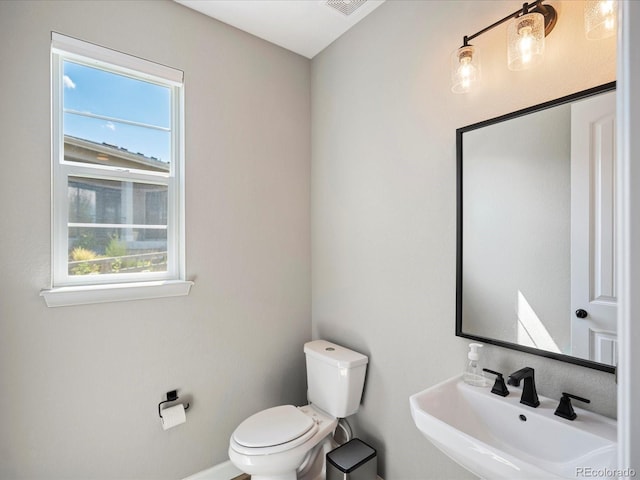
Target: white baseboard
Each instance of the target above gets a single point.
(222, 471)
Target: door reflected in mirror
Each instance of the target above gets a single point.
(536, 230)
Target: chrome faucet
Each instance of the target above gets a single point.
(529, 394)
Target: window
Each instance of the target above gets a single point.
(117, 169)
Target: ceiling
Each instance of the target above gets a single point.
(305, 27)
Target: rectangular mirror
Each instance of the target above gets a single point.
(536, 230)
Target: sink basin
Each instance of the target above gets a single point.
(497, 437)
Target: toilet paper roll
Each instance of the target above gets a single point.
(173, 416)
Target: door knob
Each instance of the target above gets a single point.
(580, 313)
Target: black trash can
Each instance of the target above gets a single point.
(355, 460)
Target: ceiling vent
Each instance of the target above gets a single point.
(346, 7)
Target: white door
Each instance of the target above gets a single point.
(593, 229)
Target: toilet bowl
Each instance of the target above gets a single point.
(290, 443)
(278, 443)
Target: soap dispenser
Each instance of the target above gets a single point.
(473, 375)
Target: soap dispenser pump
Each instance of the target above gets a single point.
(473, 374)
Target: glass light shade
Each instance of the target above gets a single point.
(600, 18)
(525, 41)
(465, 69)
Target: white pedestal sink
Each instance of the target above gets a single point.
(498, 438)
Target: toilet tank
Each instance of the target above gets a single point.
(335, 377)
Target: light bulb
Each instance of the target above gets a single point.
(525, 41)
(600, 18)
(606, 7)
(465, 69)
(607, 11)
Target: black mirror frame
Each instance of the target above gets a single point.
(459, 238)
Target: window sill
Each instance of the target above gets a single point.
(120, 292)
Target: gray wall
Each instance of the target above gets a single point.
(79, 386)
(384, 203)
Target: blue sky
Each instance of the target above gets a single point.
(95, 91)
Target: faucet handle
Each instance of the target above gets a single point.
(499, 388)
(565, 409)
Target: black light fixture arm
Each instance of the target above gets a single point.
(549, 13)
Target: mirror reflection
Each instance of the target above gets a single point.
(536, 230)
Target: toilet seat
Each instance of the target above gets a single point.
(274, 430)
(280, 462)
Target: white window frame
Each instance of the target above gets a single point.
(80, 289)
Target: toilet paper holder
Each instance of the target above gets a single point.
(172, 396)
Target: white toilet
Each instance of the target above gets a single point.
(290, 443)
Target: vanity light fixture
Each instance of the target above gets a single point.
(600, 18)
(525, 37)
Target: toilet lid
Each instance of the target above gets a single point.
(273, 426)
